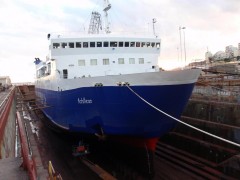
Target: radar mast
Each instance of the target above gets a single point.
(95, 23)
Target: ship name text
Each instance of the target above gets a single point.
(84, 101)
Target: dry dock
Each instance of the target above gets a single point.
(213, 107)
(31, 150)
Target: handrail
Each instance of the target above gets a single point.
(3, 103)
(4, 112)
(28, 162)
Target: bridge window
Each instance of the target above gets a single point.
(113, 44)
(132, 44)
(141, 60)
(120, 60)
(126, 44)
(105, 61)
(158, 45)
(131, 60)
(93, 62)
(78, 44)
(105, 44)
(64, 45)
(56, 45)
(143, 44)
(99, 44)
(85, 44)
(41, 72)
(120, 44)
(92, 44)
(153, 44)
(71, 45)
(81, 62)
(148, 44)
(138, 44)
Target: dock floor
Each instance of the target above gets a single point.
(10, 169)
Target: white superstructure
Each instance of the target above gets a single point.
(99, 55)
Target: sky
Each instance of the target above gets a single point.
(24, 25)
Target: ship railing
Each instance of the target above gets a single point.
(23, 83)
(76, 34)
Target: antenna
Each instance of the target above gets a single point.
(107, 7)
(95, 23)
(154, 21)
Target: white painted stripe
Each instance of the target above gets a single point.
(140, 79)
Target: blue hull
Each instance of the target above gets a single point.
(116, 109)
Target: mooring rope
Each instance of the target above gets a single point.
(193, 127)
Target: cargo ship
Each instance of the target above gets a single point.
(89, 83)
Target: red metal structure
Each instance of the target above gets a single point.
(28, 162)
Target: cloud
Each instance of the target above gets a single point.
(24, 25)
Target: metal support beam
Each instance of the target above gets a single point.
(28, 162)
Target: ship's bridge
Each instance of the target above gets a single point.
(100, 55)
